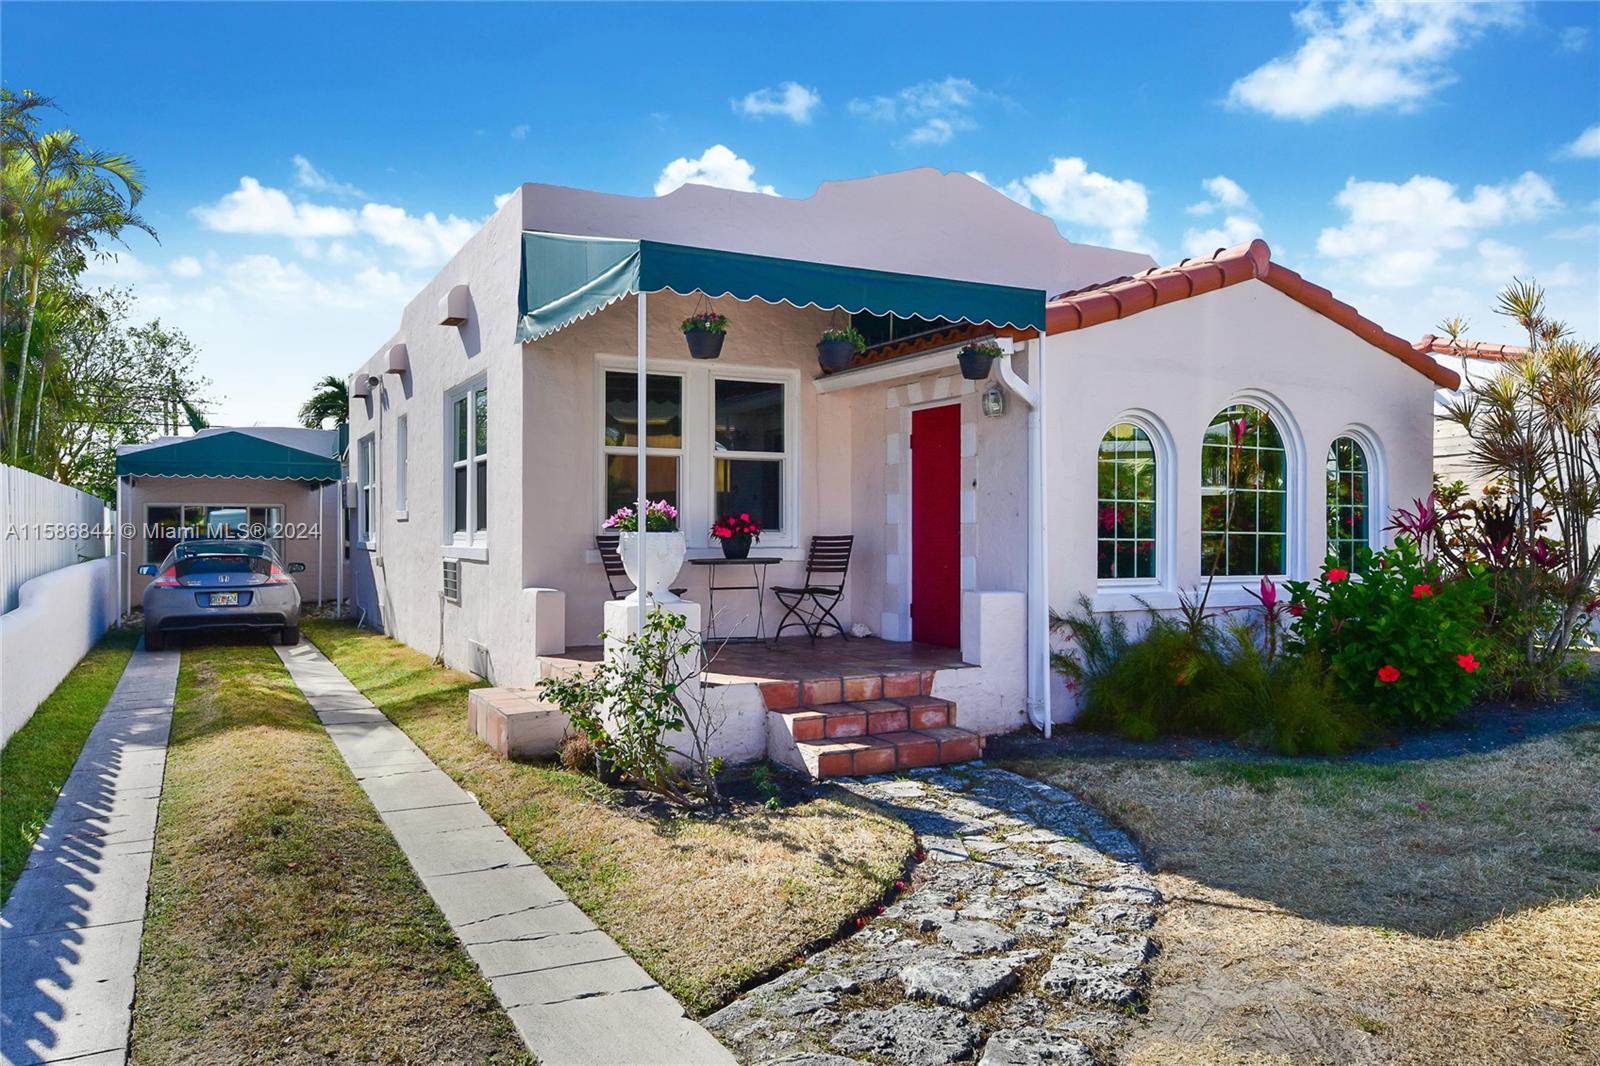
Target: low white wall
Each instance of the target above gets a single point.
(58, 618)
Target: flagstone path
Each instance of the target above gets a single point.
(573, 994)
(69, 935)
(1022, 938)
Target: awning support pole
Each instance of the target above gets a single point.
(122, 548)
(322, 538)
(338, 546)
(642, 432)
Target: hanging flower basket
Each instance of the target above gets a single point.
(704, 333)
(838, 348)
(976, 359)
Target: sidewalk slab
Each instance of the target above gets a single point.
(575, 997)
(69, 934)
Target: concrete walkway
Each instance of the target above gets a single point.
(69, 935)
(573, 994)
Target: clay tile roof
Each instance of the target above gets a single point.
(1432, 345)
(1122, 297)
(958, 334)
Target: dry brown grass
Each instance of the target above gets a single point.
(284, 925)
(1430, 912)
(704, 905)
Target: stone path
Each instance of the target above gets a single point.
(1022, 938)
(573, 994)
(69, 935)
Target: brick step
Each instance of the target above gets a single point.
(787, 695)
(840, 721)
(884, 753)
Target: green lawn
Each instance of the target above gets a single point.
(38, 758)
(284, 924)
(704, 905)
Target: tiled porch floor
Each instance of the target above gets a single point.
(797, 659)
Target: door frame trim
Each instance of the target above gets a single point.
(907, 508)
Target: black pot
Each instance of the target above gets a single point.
(735, 547)
(704, 344)
(974, 364)
(835, 355)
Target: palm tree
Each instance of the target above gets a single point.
(330, 398)
(64, 199)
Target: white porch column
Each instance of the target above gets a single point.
(641, 434)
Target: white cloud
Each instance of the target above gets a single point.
(791, 100)
(1585, 146)
(1012, 189)
(1496, 260)
(309, 177)
(1240, 221)
(256, 208)
(426, 239)
(185, 266)
(937, 110)
(1109, 210)
(1574, 38)
(1396, 234)
(519, 132)
(121, 267)
(1367, 55)
(717, 166)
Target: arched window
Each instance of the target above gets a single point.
(1348, 501)
(1125, 513)
(1243, 495)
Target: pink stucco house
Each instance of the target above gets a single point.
(497, 427)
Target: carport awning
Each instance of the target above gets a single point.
(228, 454)
(566, 278)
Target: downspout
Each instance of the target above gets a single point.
(1032, 394)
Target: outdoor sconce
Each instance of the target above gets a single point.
(361, 385)
(994, 400)
(396, 362)
(455, 306)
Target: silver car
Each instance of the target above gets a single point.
(221, 584)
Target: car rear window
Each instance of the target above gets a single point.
(198, 565)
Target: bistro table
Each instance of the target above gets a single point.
(758, 575)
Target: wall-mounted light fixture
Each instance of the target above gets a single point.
(455, 306)
(396, 361)
(994, 400)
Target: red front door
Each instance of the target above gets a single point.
(936, 525)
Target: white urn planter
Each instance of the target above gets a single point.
(663, 558)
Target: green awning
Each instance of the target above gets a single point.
(566, 278)
(228, 454)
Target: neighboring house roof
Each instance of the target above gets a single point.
(1433, 345)
(1158, 286)
(279, 453)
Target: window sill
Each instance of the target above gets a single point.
(472, 553)
(402, 515)
(1120, 599)
(367, 545)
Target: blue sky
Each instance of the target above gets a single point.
(311, 165)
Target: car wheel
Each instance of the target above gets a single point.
(289, 636)
(153, 641)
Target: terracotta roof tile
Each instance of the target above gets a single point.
(925, 342)
(1122, 297)
(1432, 345)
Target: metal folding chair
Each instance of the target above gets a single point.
(810, 606)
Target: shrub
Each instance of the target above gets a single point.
(1399, 639)
(1287, 704)
(578, 754)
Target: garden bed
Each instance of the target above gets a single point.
(707, 905)
(1418, 911)
(284, 923)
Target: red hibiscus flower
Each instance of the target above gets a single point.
(1336, 575)
(1297, 609)
(1467, 662)
(1421, 592)
(1388, 675)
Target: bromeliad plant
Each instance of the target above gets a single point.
(659, 517)
(1399, 639)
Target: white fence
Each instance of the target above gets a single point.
(45, 526)
(62, 614)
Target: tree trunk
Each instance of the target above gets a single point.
(22, 362)
(38, 405)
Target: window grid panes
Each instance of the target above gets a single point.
(1243, 495)
(402, 455)
(1347, 501)
(663, 443)
(748, 445)
(168, 524)
(365, 514)
(1125, 514)
(469, 466)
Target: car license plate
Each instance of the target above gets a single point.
(224, 599)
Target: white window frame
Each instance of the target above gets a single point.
(402, 455)
(697, 458)
(651, 452)
(469, 543)
(1118, 593)
(366, 492)
(1378, 536)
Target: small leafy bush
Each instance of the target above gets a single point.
(1400, 639)
(849, 334)
(705, 322)
(1287, 704)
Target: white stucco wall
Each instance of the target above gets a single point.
(1175, 367)
(58, 618)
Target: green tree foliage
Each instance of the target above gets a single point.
(330, 399)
